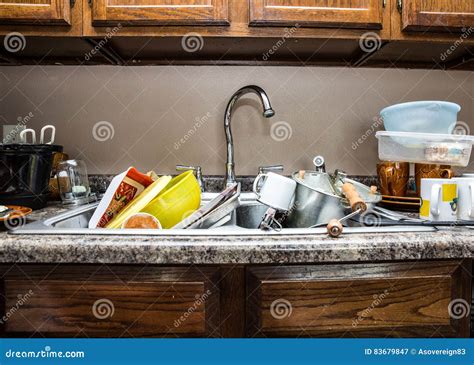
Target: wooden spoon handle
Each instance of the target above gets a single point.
(354, 198)
(334, 228)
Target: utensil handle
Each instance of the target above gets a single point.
(334, 228)
(352, 195)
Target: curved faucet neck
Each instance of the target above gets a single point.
(267, 113)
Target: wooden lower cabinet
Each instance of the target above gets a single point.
(360, 300)
(110, 301)
(411, 299)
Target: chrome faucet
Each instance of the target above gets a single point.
(268, 112)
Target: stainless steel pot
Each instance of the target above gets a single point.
(319, 199)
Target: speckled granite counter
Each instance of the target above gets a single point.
(271, 249)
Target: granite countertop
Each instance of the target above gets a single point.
(451, 243)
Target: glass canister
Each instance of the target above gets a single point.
(73, 182)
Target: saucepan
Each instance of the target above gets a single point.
(319, 198)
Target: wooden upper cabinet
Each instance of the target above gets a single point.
(35, 12)
(160, 12)
(365, 14)
(437, 15)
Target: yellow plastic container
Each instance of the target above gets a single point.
(180, 198)
(140, 201)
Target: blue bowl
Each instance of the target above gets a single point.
(421, 117)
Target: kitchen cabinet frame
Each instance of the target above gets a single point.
(412, 299)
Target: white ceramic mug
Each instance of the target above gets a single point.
(465, 197)
(276, 191)
(439, 200)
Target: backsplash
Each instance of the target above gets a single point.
(159, 116)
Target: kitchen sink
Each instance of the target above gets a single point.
(244, 221)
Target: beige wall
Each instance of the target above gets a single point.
(151, 109)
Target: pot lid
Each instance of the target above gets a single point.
(317, 181)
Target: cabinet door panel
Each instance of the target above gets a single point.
(359, 300)
(160, 12)
(437, 15)
(112, 301)
(35, 12)
(317, 13)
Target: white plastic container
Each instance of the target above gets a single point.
(432, 148)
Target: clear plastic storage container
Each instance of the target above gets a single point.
(446, 149)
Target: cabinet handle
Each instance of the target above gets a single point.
(72, 3)
(399, 6)
(384, 3)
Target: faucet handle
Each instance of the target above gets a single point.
(197, 172)
(264, 169)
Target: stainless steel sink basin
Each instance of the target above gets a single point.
(244, 221)
(249, 215)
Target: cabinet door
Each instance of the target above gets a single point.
(318, 13)
(437, 15)
(160, 12)
(108, 301)
(35, 12)
(424, 299)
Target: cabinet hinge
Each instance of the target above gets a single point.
(72, 2)
(90, 3)
(399, 6)
(384, 3)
